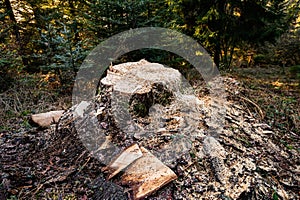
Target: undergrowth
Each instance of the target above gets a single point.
(30, 94)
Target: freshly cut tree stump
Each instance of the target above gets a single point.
(149, 105)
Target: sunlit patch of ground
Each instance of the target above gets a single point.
(277, 92)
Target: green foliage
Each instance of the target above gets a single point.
(57, 35)
(223, 25)
(259, 58)
(12, 197)
(275, 195)
(295, 72)
(106, 17)
(140, 110)
(10, 60)
(295, 69)
(10, 65)
(285, 52)
(287, 49)
(58, 51)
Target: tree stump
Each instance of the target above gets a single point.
(153, 106)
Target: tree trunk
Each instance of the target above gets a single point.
(74, 25)
(39, 22)
(16, 30)
(13, 19)
(217, 52)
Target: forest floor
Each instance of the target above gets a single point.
(26, 172)
(276, 91)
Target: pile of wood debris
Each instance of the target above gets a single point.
(165, 149)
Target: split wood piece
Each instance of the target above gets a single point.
(46, 119)
(146, 175)
(128, 156)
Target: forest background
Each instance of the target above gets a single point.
(44, 42)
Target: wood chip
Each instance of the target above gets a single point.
(46, 119)
(79, 111)
(146, 175)
(123, 160)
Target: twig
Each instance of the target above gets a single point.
(251, 102)
(259, 109)
(81, 168)
(80, 155)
